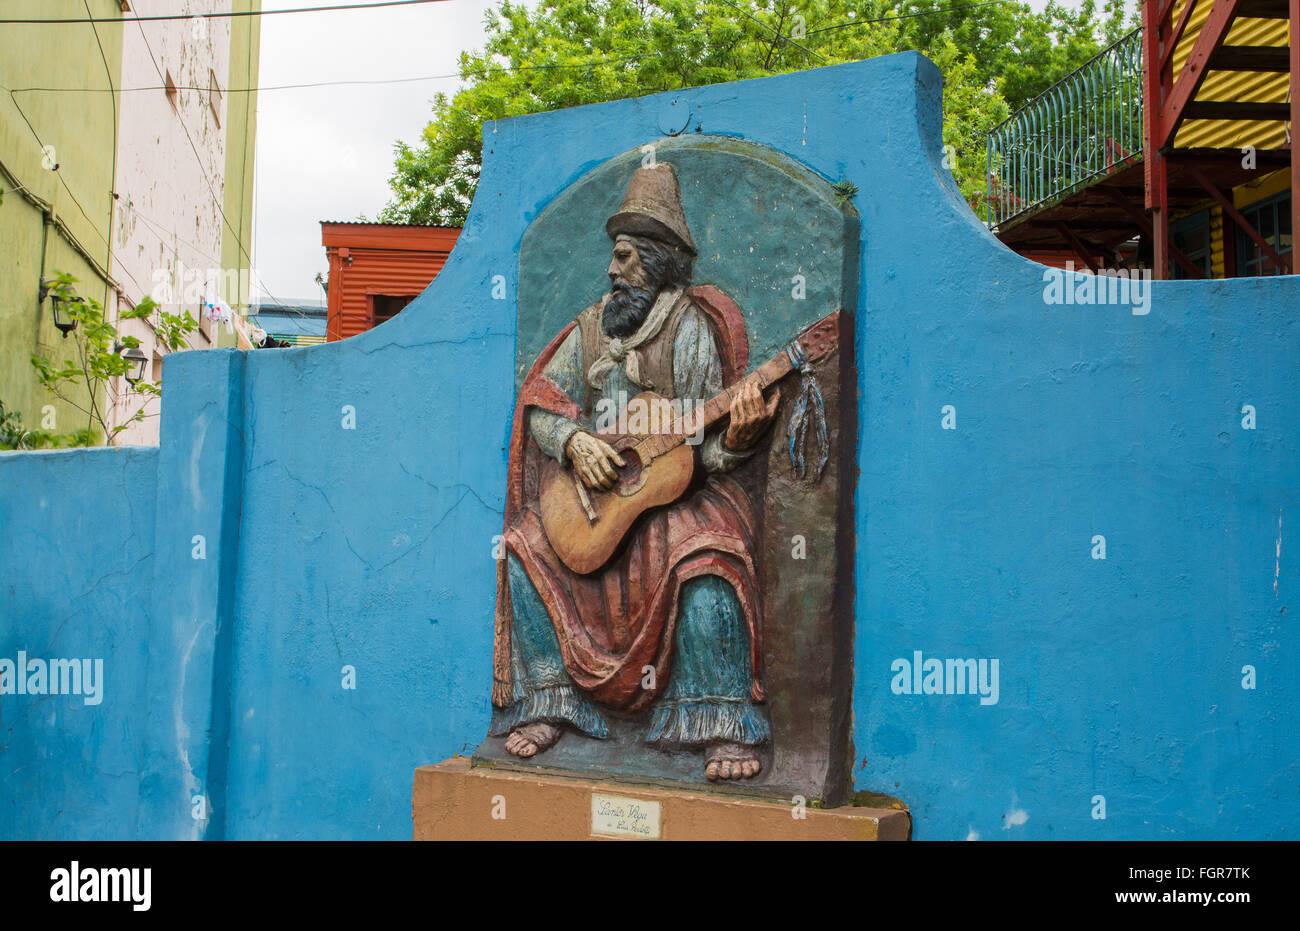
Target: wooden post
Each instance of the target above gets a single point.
(1280, 261)
(1144, 227)
(1154, 169)
(1180, 91)
(1295, 124)
(1079, 248)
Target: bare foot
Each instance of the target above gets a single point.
(730, 761)
(529, 739)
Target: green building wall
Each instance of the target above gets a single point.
(53, 218)
(241, 133)
(61, 220)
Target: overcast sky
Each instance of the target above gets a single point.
(326, 153)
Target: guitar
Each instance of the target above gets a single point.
(586, 525)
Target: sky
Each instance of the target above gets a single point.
(326, 153)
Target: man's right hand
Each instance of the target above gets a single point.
(594, 460)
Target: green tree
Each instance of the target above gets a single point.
(92, 382)
(566, 53)
(1014, 48)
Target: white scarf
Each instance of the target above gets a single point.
(620, 350)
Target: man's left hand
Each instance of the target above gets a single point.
(750, 416)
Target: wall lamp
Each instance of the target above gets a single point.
(63, 321)
(137, 359)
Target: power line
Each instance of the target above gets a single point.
(94, 263)
(887, 19)
(243, 90)
(107, 272)
(774, 31)
(514, 69)
(557, 66)
(46, 209)
(203, 169)
(485, 65)
(229, 15)
(161, 231)
(108, 256)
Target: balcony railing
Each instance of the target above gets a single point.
(1083, 127)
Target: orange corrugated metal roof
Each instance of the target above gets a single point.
(400, 226)
(389, 236)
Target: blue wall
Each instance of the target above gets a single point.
(371, 547)
(76, 578)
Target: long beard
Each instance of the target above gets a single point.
(626, 309)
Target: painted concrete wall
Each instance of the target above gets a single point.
(76, 581)
(177, 168)
(68, 183)
(174, 231)
(348, 494)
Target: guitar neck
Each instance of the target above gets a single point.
(719, 406)
(715, 408)
(813, 344)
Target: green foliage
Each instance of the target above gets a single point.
(1011, 47)
(845, 190)
(11, 429)
(13, 436)
(565, 53)
(99, 368)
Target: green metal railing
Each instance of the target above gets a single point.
(1083, 127)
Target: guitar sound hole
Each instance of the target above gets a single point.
(629, 475)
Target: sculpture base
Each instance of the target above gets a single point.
(456, 801)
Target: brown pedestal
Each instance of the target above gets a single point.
(454, 801)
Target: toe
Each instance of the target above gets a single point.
(750, 767)
(712, 770)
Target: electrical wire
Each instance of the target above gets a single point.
(47, 210)
(359, 81)
(63, 227)
(391, 3)
(775, 32)
(108, 72)
(160, 230)
(203, 169)
(889, 19)
(40, 142)
(230, 15)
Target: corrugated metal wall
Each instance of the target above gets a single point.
(1243, 86)
(392, 260)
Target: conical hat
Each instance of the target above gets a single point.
(652, 207)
